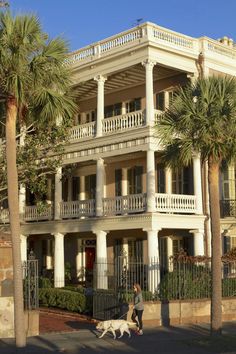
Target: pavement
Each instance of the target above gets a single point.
(67, 333)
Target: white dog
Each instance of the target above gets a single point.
(113, 325)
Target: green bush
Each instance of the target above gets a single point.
(185, 284)
(45, 282)
(63, 299)
(229, 287)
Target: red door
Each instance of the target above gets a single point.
(89, 257)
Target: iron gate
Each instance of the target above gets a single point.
(30, 283)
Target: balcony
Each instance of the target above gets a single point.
(228, 208)
(125, 205)
(112, 125)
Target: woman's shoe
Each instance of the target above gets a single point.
(140, 332)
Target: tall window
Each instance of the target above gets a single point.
(182, 181)
(112, 110)
(228, 177)
(160, 101)
(161, 183)
(134, 105)
(135, 248)
(118, 179)
(75, 188)
(90, 187)
(135, 185)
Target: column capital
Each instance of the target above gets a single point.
(149, 64)
(201, 231)
(100, 231)
(153, 230)
(59, 234)
(100, 78)
(196, 155)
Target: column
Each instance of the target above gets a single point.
(79, 261)
(22, 199)
(100, 103)
(168, 180)
(101, 259)
(99, 187)
(153, 260)
(124, 182)
(198, 242)
(150, 181)
(23, 248)
(169, 241)
(166, 99)
(82, 188)
(149, 64)
(58, 193)
(197, 181)
(49, 259)
(59, 261)
(123, 108)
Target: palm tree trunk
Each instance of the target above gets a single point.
(216, 296)
(12, 184)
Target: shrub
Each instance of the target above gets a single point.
(45, 282)
(63, 299)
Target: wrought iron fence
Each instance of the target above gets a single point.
(30, 283)
(184, 278)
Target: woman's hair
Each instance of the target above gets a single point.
(138, 287)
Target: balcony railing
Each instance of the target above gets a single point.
(228, 208)
(78, 208)
(175, 203)
(123, 122)
(129, 204)
(82, 131)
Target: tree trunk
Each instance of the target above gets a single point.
(13, 201)
(216, 245)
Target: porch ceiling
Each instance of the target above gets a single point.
(133, 76)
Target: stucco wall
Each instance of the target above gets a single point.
(184, 312)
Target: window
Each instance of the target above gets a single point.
(228, 177)
(75, 188)
(135, 180)
(171, 96)
(161, 183)
(112, 110)
(90, 187)
(182, 181)
(160, 101)
(118, 181)
(135, 248)
(90, 116)
(134, 105)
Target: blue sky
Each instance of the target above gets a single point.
(83, 22)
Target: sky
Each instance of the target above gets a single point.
(83, 22)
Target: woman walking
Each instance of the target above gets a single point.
(138, 308)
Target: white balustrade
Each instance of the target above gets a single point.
(157, 115)
(124, 205)
(77, 208)
(80, 55)
(34, 213)
(219, 48)
(82, 131)
(123, 122)
(173, 38)
(120, 40)
(175, 203)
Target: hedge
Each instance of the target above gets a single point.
(63, 299)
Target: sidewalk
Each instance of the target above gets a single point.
(82, 339)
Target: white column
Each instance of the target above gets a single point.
(79, 261)
(59, 261)
(22, 199)
(168, 180)
(197, 181)
(149, 91)
(123, 108)
(124, 182)
(49, 260)
(150, 181)
(82, 188)
(99, 187)
(198, 242)
(23, 247)
(153, 260)
(166, 99)
(101, 259)
(169, 241)
(58, 193)
(100, 103)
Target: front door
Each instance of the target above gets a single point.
(90, 253)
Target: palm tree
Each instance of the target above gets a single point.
(202, 119)
(34, 86)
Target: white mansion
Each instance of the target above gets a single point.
(120, 199)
